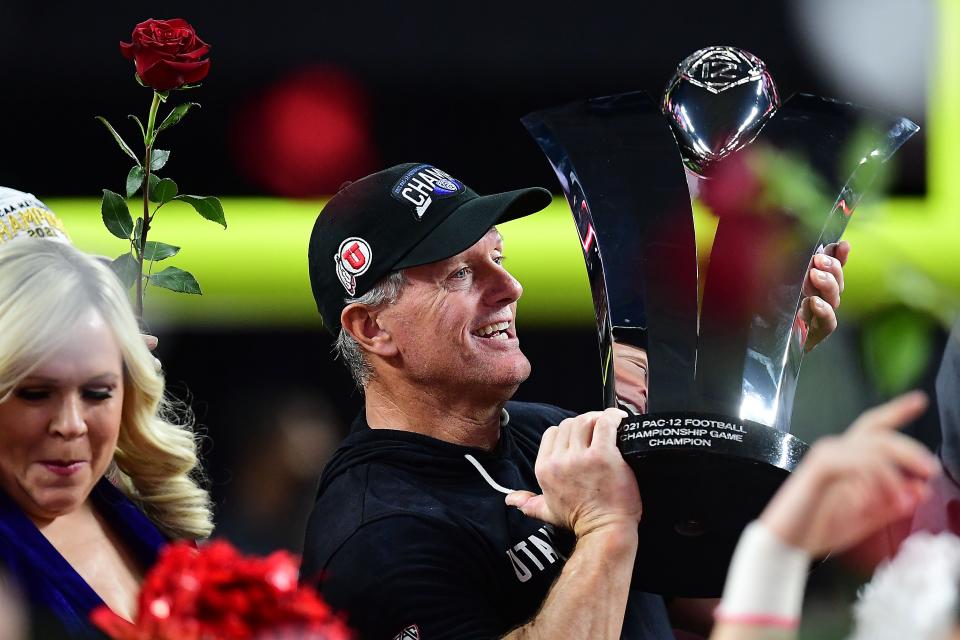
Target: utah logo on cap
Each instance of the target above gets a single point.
(423, 184)
(351, 260)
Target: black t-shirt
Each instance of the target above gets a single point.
(410, 536)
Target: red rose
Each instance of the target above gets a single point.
(167, 53)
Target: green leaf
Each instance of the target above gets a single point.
(158, 158)
(116, 136)
(176, 115)
(177, 280)
(134, 180)
(116, 216)
(163, 191)
(159, 250)
(125, 267)
(207, 206)
(137, 231)
(897, 348)
(143, 131)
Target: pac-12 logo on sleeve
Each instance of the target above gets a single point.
(352, 259)
(423, 184)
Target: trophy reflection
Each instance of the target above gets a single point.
(705, 355)
(631, 373)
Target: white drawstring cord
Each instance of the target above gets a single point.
(486, 476)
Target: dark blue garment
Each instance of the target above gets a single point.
(48, 582)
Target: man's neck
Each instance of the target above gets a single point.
(460, 420)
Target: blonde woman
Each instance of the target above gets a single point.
(95, 475)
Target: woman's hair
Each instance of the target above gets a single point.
(45, 288)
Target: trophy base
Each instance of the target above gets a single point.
(699, 491)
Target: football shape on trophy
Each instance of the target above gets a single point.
(704, 353)
(717, 102)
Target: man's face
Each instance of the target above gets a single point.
(454, 324)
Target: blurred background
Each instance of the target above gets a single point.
(302, 97)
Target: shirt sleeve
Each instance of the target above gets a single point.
(409, 578)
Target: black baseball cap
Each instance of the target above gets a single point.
(404, 216)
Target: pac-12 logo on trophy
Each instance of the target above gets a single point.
(705, 354)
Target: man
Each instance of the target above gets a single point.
(412, 534)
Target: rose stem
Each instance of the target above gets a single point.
(148, 143)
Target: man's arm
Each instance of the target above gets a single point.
(589, 489)
(589, 598)
(846, 488)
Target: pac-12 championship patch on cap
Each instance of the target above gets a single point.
(405, 216)
(422, 184)
(23, 215)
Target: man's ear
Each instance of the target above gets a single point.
(360, 321)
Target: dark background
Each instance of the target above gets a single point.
(303, 96)
(438, 82)
(366, 85)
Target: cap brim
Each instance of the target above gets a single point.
(470, 221)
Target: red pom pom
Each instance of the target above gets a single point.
(215, 592)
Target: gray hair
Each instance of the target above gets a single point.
(386, 291)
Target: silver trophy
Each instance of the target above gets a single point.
(707, 366)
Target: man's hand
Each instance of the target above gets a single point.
(587, 485)
(852, 485)
(823, 287)
(588, 488)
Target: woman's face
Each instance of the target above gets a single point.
(59, 427)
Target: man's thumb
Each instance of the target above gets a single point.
(530, 504)
(519, 498)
